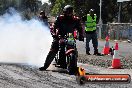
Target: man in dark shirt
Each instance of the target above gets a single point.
(43, 18)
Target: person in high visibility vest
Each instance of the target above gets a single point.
(90, 30)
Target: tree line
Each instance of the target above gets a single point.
(110, 8)
(27, 8)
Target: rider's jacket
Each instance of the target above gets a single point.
(66, 24)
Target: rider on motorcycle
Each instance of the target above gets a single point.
(64, 24)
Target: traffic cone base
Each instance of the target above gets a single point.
(115, 68)
(116, 64)
(106, 50)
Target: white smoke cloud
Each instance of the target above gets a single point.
(23, 41)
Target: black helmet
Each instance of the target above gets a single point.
(42, 13)
(68, 9)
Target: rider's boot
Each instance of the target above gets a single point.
(51, 55)
(97, 53)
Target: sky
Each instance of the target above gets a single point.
(43, 1)
(122, 0)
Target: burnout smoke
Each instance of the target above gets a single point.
(23, 41)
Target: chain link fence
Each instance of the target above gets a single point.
(117, 31)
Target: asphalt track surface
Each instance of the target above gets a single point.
(25, 76)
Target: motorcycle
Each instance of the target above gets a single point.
(66, 57)
(67, 54)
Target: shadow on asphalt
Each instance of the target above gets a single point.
(59, 71)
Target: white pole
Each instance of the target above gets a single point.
(119, 13)
(100, 20)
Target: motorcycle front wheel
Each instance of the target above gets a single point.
(72, 67)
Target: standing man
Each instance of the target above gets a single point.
(90, 30)
(64, 24)
(43, 18)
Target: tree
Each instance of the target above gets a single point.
(57, 8)
(130, 11)
(5, 4)
(46, 7)
(109, 10)
(126, 11)
(30, 4)
(2, 6)
(58, 5)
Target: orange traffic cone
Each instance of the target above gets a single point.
(116, 61)
(106, 47)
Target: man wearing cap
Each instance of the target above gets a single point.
(90, 30)
(43, 18)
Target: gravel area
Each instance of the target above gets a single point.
(23, 76)
(104, 61)
(125, 54)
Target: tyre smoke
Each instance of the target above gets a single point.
(23, 41)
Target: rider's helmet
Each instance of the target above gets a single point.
(68, 9)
